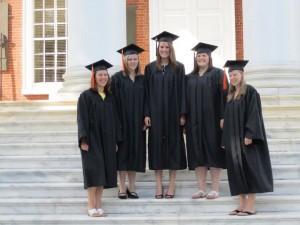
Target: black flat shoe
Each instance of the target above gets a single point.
(160, 196)
(169, 196)
(122, 195)
(132, 194)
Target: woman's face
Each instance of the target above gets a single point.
(101, 78)
(132, 62)
(164, 50)
(236, 77)
(202, 60)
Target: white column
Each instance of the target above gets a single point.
(271, 43)
(96, 29)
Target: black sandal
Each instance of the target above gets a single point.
(160, 196)
(170, 196)
(122, 195)
(132, 194)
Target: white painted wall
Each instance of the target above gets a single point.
(272, 31)
(97, 28)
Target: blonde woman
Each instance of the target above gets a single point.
(164, 114)
(244, 138)
(128, 88)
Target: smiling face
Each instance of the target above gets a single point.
(236, 77)
(132, 62)
(101, 78)
(202, 60)
(164, 50)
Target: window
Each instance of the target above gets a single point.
(50, 40)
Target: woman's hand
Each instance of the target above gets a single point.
(221, 123)
(147, 121)
(84, 146)
(247, 141)
(182, 120)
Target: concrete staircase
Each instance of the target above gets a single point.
(41, 176)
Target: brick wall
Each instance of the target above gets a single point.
(142, 28)
(239, 29)
(12, 78)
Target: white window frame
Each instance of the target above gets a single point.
(29, 87)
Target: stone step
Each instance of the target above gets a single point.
(280, 100)
(38, 137)
(60, 114)
(152, 206)
(41, 126)
(288, 144)
(39, 149)
(71, 148)
(71, 124)
(283, 132)
(280, 110)
(267, 89)
(74, 161)
(144, 189)
(178, 218)
(6, 106)
(282, 121)
(284, 172)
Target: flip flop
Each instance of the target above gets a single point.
(199, 194)
(246, 213)
(101, 212)
(93, 213)
(212, 195)
(234, 212)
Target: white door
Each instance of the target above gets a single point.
(209, 21)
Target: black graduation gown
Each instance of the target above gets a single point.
(248, 166)
(98, 125)
(130, 100)
(206, 101)
(165, 103)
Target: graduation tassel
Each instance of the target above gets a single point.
(123, 66)
(93, 78)
(156, 48)
(224, 80)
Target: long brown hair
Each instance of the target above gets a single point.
(196, 67)
(232, 90)
(126, 69)
(107, 89)
(172, 57)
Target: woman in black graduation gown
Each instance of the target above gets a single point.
(205, 92)
(98, 134)
(128, 88)
(247, 154)
(164, 114)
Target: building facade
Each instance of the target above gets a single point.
(50, 41)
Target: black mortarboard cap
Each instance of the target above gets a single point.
(99, 65)
(131, 49)
(165, 36)
(204, 48)
(235, 65)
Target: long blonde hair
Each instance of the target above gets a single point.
(232, 90)
(126, 69)
(172, 57)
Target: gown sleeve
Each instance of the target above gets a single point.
(82, 119)
(183, 107)
(223, 93)
(147, 91)
(254, 120)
